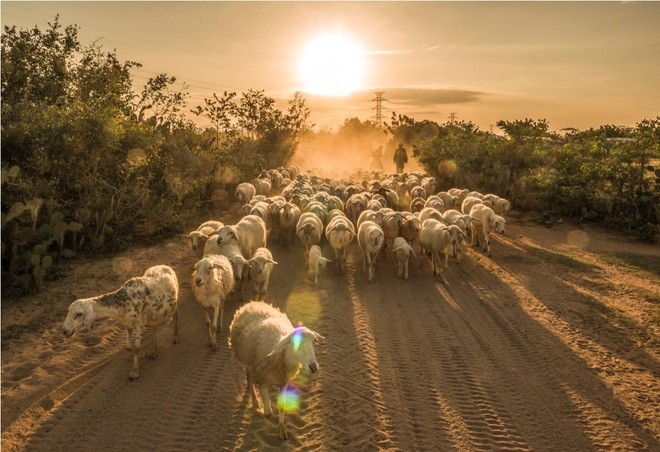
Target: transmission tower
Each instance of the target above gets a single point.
(379, 107)
(452, 117)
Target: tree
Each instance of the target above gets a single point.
(220, 111)
(158, 104)
(36, 65)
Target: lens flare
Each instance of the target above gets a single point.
(296, 340)
(447, 168)
(288, 399)
(578, 239)
(122, 265)
(137, 157)
(304, 306)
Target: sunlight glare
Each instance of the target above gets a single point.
(332, 65)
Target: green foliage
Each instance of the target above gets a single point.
(89, 165)
(604, 174)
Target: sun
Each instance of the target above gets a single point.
(332, 65)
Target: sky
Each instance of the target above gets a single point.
(576, 64)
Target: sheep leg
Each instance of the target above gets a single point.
(281, 426)
(209, 327)
(443, 267)
(175, 320)
(265, 399)
(214, 327)
(405, 270)
(487, 242)
(154, 348)
(255, 286)
(129, 339)
(369, 266)
(137, 341)
(263, 289)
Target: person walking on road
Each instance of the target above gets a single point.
(400, 158)
(376, 156)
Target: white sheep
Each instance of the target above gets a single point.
(355, 205)
(271, 351)
(226, 243)
(262, 210)
(489, 221)
(245, 192)
(340, 234)
(391, 226)
(469, 202)
(288, 219)
(418, 192)
(454, 217)
(316, 261)
(417, 204)
(461, 193)
(262, 186)
(142, 302)
(429, 184)
(410, 226)
(370, 215)
(450, 201)
(370, 239)
(309, 230)
(429, 212)
(434, 238)
(500, 205)
(436, 202)
(212, 282)
(251, 234)
(200, 236)
(261, 266)
(402, 251)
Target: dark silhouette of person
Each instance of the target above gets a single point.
(376, 156)
(400, 158)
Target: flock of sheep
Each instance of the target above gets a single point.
(384, 211)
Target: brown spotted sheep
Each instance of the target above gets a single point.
(142, 302)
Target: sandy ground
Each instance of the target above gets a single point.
(550, 344)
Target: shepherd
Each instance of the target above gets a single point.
(400, 158)
(376, 156)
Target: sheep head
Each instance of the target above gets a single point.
(238, 265)
(499, 225)
(227, 234)
(80, 316)
(300, 344)
(258, 264)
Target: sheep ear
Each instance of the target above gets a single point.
(397, 248)
(318, 339)
(88, 318)
(197, 264)
(190, 235)
(282, 343)
(270, 261)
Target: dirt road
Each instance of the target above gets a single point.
(543, 346)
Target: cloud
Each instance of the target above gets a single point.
(431, 96)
